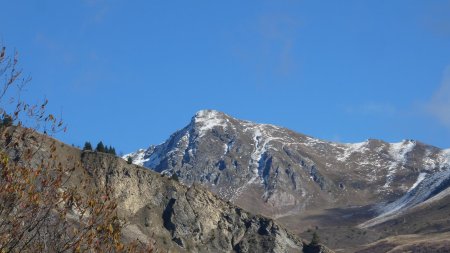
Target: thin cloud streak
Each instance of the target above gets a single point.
(280, 31)
(439, 105)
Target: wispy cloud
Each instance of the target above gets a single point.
(268, 45)
(278, 33)
(437, 19)
(439, 105)
(99, 8)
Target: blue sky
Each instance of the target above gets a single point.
(132, 72)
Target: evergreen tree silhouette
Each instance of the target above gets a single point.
(100, 147)
(87, 146)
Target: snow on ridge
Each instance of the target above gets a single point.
(350, 148)
(208, 119)
(444, 158)
(419, 179)
(312, 142)
(428, 161)
(252, 124)
(140, 160)
(137, 157)
(153, 156)
(132, 154)
(161, 151)
(428, 187)
(154, 159)
(398, 152)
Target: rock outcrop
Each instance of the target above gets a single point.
(155, 208)
(182, 218)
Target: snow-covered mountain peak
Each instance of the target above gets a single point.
(283, 171)
(208, 113)
(206, 120)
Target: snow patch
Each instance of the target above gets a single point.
(444, 158)
(262, 136)
(426, 188)
(398, 152)
(259, 150)
(206, 120)
(138, 157)
(155, 158)
(428, 161)
(350, 148)
(420, 178)
(312, 142)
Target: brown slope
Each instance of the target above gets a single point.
(414, 243)
(178, 218)
(424, 228)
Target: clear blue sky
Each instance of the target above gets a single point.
(132, 72)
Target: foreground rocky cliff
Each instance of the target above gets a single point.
(182, 218)
(159, 210)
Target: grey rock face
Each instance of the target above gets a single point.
(277, 172)
(159, 209)
(182, 218)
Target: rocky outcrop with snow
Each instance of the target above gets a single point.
(278, 172)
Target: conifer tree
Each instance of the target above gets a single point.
(315, 239)
(87, 146)
(6, 121)
(130, 160)
(175, 177)
(100, 147)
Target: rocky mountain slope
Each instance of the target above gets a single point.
(299, 180)
(159, 209)
(185, 218)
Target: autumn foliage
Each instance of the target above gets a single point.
(40, 209)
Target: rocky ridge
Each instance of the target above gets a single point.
(290, 172)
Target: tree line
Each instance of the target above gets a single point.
(99, 148)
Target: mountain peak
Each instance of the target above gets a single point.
(208, 113)
(206, 120)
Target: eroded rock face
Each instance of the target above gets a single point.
(182, 218)
(159, 209)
